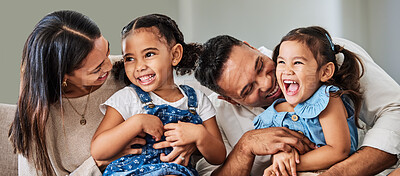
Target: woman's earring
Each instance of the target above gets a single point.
(64, 83)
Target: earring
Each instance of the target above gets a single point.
(64, 83)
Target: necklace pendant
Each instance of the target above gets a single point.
(83, 121)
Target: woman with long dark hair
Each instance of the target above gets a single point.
(64, 73)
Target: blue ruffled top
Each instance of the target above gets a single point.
(305, 120)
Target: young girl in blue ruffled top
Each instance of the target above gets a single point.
(152, 47)
(322, 100)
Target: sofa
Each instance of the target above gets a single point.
(8, 160)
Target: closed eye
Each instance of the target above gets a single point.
(261, 67)
(96, 71)
(297, 62)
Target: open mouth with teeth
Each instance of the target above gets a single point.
(274, 92)
(103, 76)
(146, 79)
(291, 87)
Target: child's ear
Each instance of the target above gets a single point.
(327, 71)
(177, 52)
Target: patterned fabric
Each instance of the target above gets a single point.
(149, 163)
(305, 120)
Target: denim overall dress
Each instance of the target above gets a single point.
(148, 163)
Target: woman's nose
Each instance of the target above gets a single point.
(107, 65)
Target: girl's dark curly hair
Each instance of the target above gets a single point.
(170, 31)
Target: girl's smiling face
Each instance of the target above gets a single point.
(148, 60)
(297, 72)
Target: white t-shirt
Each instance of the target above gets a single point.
(127, 103)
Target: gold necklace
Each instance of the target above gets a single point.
(83, 120)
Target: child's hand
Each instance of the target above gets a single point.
(151, 125)
(183, 133)
(284, 163)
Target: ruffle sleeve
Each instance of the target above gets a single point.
(312, 107)
(265, 119)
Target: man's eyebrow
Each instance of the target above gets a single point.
(258, 61)
(108, 50)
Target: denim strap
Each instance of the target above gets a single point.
(143, 96)
(192, 98)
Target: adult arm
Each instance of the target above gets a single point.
(265, 141)
(366, 161)
(381, 112)
(95, 167)
(395, 172)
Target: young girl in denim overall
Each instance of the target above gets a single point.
(152, 46)
(322, 100)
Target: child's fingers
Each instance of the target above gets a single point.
(275, 168)
(269, 171)
(176, 143)
(171, 139)
(170, 126)
(282, 169)
(169, 133)
(292, 167)
(160, 145)
(156, 134)
(296, 157)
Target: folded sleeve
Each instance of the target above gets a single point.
(88, 167)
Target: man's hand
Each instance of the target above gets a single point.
(265, 141)
(269, 141)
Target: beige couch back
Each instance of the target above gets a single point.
(8, 160)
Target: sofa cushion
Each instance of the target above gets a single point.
(8, 160)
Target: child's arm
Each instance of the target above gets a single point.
(207, 138)
(337, 135)
(114, 134)
(283, 163)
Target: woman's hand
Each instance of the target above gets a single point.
(183, 133)
(102, 164)
(179, 155)
(268, 141)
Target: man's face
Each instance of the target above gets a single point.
(248, 77)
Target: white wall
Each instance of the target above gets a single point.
(372, 24)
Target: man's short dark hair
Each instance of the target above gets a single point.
(210, 64)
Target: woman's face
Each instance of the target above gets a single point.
(95, 67)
